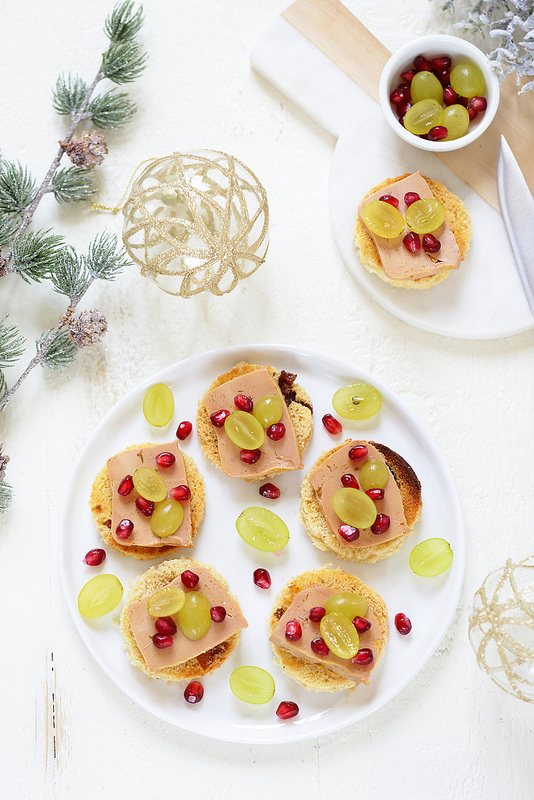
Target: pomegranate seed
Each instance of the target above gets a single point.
(183, 430)
(408, 75)
(363, 657)
(358, 452)
(381, 524)
(276, 431)
(165, 460)
(319, 647)
(430, 243)
(124, 529)
(94, 557)
(444, 77)
(165, 625)
(250, 456)
(412, 242)
(125, 486)
(437, 133)
(181, 493)
(449, 96)
(317, 613)
(402, 109)
(162, 641)
(332, 424)
(217, 613)
(293, 630)
(348, 533)
(411, 197)
(194, 692)
(349, 480)
(261, 578)
(421, 63)
(476, 105)
(361, 624)
(218, 417)
(270, 491)
(439, 63)
(146, 507)
(243, 402)
(402, 623)
(189, 579)
(287, 709)
(375, 494)
(398, 96)
(389, 198)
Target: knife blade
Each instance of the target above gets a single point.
(517, 207)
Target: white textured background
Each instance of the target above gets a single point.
(451, 733)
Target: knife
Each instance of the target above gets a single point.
(517, 207)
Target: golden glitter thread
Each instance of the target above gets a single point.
(501, 628)
(196, 222)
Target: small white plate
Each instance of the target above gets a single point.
(430, 603)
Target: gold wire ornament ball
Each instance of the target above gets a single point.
(501, 628)
(196, 222)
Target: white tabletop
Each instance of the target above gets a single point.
(67, 730)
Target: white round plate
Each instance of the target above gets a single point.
(430, 603)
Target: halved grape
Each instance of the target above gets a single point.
(456, 120)
(100, 595)
(252, 685)
(383, 219)
(431, 557)
(268, 410)
(158, 405)
(340, 635)
(373, 475)
(357, 401)
(467, 80)
(194, 617)
(166, 601)
(354, 507)
(422, 116)
(244, 430)
(425, 215)
(349, 604)
(425, 85)
(262, 529)
(149, 484)
(166, 518)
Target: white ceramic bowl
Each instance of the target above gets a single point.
(461, 52)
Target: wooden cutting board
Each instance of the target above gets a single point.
(347, 44)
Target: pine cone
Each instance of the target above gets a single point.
(87, 151)
(88, 329)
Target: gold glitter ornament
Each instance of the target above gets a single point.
(196, 222)
(501, 628)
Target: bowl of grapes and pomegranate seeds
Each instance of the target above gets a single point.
(439, 93)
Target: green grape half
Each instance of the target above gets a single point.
(422, 116)
(149, 484)
(373, 475)
(426, 86)
(166, 601)
(425, 215)
(194, 617)
(467, 80)
(268, 410)
(244, 430)
(354, 507)
(456, 120)
(431, 557)
(349, 604)
(166, 518)
(383, 219)
(158, 405)
(263, 529)
(100, 595)
(340, 634)
(357, 401)
(252, 685)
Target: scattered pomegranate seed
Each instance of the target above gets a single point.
(412, 242)
(381, 524)
(270, 491)
(375, 494)
(421, 63)
(250, 456)
(287, 709)
(162, 641)
(124, 529)
(349, 481)
(165, 460)
(293, 630)
(165, 625)
(408, 75)
(189, 579)
(125, 486)
(261, 578)
(183, 430)
(358, 452)
(217, 613)
(411, 197)
(389, 198)
(95, 557)
(430, 243)
(319, 647)
(317, 613)
(194, 692)
(276, 431)
(332, 424)
(243, 403)
(361, 624)
(145, 507)
(437, 133)
(218, 417)
(439, 63)
(182, 493)
(363, 657)
(348, 533)
(402, 623)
